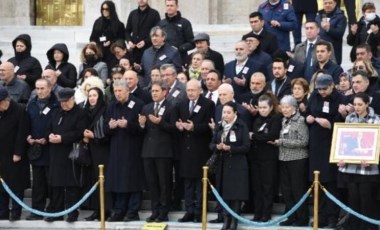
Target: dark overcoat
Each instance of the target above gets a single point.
(232, 172)
(70, 125)
(319, 137)
(194, 145)
(13, 133)
(125, 172)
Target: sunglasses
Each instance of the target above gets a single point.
(106, 9)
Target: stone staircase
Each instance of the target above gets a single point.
(223, 38)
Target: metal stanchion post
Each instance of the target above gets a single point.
(316, 200)
(204, 201)
(101, 198)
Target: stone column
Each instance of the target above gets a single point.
(17, 12)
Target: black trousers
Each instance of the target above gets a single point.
(5, 199)
(63, 198)
(350, 8)
(193, 195)
(178, 192)
(264, 179)
(328, 210)
(158, 173)
(294, 185)
(361, 199)
(126, 203)
(40, 187)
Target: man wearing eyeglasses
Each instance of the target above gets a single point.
(160, 53)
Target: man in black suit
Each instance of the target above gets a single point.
(192, 118)
(139, 23)
(213, 81)
(132, 80)
(157, 151)
(268, 41)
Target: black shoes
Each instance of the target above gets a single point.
(34, 217)
(115, 218)
(94, 216)
(52, 219)
(288, 222)
(197, 218)
(163, 218)
(71, 219)
(186, 218)
(132, 218)
(218, 220)
(152, 218)
(14, 217)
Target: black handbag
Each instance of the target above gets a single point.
(213, 162)
(80, 154)
(34, 152)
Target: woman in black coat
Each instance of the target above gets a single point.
(266, 128)
(98, 143)
(58, 57)
(27, 68)
(66, 128)
(106, 30)
(231, 142)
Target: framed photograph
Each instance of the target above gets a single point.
(354, 143)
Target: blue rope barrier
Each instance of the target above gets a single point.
(47, 214)
(348, 209)
(260, 224)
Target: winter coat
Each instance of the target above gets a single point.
(14, 125)
(282, 12)
(125, 170)
(319, 137)
(68, 76)
(70, 125)
(24, 63)
(232, 172)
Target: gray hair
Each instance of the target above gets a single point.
(159, 83)
(154, 31)
(168, 66)
(289, 100)
(121, 82)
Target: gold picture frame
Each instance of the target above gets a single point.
(355, 142)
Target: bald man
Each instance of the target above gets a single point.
(257, 87)
(238, 72)
(192, 118)
(18, 90)
(133, 84)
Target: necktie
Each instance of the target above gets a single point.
(192, 105)
(308, 64)
(210, 96)
(156, 108)
(167, 91)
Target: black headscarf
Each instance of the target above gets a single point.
(94, 113)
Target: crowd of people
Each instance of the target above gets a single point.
(153, 103)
